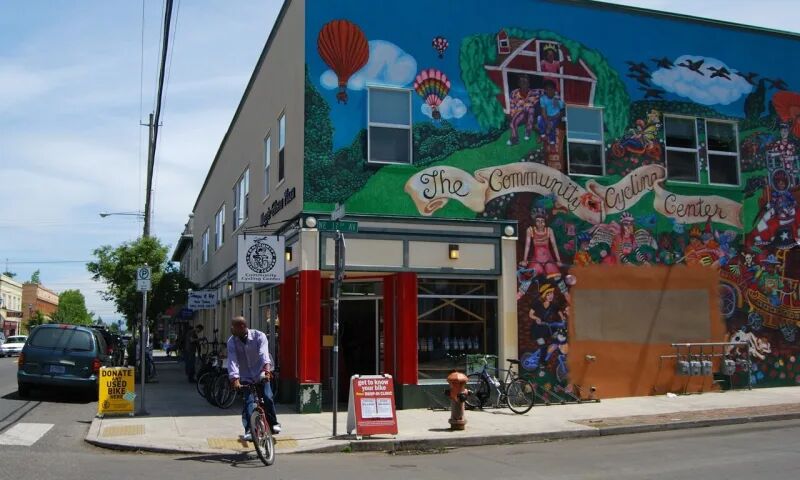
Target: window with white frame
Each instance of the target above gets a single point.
(281, 147)
(205, 246)
(722, 152)
(219, 227)
(267, 163)
(680, 138)
(241, 195)
(585, 152)
(389, 125)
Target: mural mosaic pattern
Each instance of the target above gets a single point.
(678, 184)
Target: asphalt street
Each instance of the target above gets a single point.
(765, 451)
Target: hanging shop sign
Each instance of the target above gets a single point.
(260, 259)
(202, 299)
(370, 408)
(117, 390)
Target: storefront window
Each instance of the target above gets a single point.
(456, 318)
(268, 319)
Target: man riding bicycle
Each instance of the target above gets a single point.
(248, 357)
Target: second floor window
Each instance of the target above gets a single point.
(680, 136)
(219, 228)
(205, 247)
(241, 195)
(267, 163)
(389, 125)
(281, 147)
(585, 140)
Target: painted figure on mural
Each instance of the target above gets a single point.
(582, 256)
(785, 150)
(550, 62)
(546, 258)
(778, 223)
(523, 105)
(770, 281)
(546, 316)
(551, 112)
(642, 139)
(702, 250)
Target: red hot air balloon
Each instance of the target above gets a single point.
(343, 47)
(433, 86)
(440, 44)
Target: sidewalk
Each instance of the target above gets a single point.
(180, 421)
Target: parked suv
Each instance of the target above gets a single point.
(62, 356)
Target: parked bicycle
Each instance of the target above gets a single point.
(260, 429)
(513, 391)
(212, 379)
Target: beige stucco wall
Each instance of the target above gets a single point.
(278, 86)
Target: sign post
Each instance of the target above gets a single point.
(144, 285)
(339, 262)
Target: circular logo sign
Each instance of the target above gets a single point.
(261, 257)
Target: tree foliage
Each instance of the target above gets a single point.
(35, 278)
(72, 309)
(9, 274)
(480, 50)
(36, 319)
(116, 267)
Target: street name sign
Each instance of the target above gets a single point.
(342, 226)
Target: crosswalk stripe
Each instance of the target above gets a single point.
(25, 434)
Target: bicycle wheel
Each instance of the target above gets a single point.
(224, 394)
(202, 382)
(519, 396)
(478, 391)
(262, 437)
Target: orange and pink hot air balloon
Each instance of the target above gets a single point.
(433, 86)
(343, 47)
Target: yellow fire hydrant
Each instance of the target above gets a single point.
(458, 395)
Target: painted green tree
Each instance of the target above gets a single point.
(72, 309)
(477, 51)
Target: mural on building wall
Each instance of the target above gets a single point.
(490, 141)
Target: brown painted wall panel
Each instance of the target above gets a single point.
(626, 318)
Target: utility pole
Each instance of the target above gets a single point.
(151, 160)
(154, 120)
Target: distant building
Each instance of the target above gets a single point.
(10, 305)
(36, 297)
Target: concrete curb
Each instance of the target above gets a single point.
(394, 445)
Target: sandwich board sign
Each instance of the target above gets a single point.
(370, 407)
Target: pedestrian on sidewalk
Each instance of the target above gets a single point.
(192, 342)
(248, 357)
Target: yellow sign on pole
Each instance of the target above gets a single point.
(117, 390)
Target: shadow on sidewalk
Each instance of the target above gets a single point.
(239, 460)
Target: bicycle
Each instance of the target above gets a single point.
(260, 429)
(517, 393)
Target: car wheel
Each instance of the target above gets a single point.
(23, 390)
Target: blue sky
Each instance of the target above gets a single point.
(70, 141)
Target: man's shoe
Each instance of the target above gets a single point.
(276, 429)
(247, 437)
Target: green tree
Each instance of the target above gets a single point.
(72, 309)
(9, 274)
(36, 319)
(116, 267)
(35, 278)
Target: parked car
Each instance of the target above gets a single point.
(12, 345)
(114, 346)
(62, 356)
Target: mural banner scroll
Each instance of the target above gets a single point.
(697, 209)
(433, 187)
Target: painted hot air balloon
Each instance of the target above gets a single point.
(440, 44)
(787, 105)
(343, 47)
(433, 86)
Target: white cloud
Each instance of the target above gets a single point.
(450, 108)
(700, 86)
(388, 65)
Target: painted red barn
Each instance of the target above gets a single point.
(517, 57)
